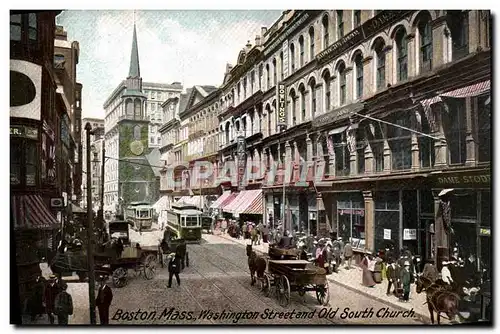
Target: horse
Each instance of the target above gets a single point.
(439, 299)
(256, 264)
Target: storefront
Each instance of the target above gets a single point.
(350, 215)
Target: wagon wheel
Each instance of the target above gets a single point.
(323, 294)
(120, 277)
(150, 266)
(265, 285)
(283, 291)
(187, 259)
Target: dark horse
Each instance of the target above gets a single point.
(440, 298)
(256, 264)
(177, 246)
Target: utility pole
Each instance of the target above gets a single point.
(102, 184)
(90, 233)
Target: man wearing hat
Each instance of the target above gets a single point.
(174, 268)
(51, 292)
(406, 281)
(348, 254)
(63, 305)
(430, 271)
(392, 274)
(103, 300)
(445, 273)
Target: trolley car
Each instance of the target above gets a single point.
(185, 222)
(140, 214)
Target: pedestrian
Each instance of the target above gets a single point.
(35, 303)
(336, 250)
(265, 234)
(103, 300)
(367, 276)
(430, 271)
(446, 274)
(174, 269)
(63, 305)
(223, 226)
(392, 273)
(255, 236)
(348, 254)
(51, 292)
(406, 281)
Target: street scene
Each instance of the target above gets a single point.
(271, 167)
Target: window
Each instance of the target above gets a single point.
(238, 91)
(292, 56)
(458, 22)
(311, 44)
(456, 133)
(380, 53)
(357, 18)
(244, 88)
(152, 128)
(402, 55)
(15, 27)
(342, 155)
(386, 218)
(302, 103)
(484, 128)
(282, 67)
(252, 82)
(268, 78)
(425, 30)
(340, 24)
(328, 93)
(23, 162)
(425, 144)
(342, 84)
(400, 141)
(351, 216)
(312, 87)
(376, 139)
(293, 101)
(301, 51)
(260, 76)
(158, 140)
(275, 72)
(359, 76)
(153, 95)
(324, 22)
(22, 24)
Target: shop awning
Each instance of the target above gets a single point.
(190, 200)
(220, 200)
(245, 197)
(76, 209)
(253, 206)
(30, 212)
(161, 204)
(337, 130)
(472, 90)
(228, 201)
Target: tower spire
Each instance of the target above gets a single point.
(134, 71)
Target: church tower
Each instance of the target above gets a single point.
(136, 178)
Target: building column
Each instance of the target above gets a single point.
(471, 140)
(289, 160)
(439, 42)
(368, 86)
(387, 151)
(412, 57)
(369, 160)
(320, 160)
(319, 99)
(389, 69)
(331, 156)
(369, 221)
(353, 157)
(309, 148)
(440, 144)
(415, 153)
(474, 30)
(349, 85)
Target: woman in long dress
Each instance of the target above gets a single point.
(367, 277)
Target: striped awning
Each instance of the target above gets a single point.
(30, 212)
(243, 199)
(220, 200)
(472, 90)
(228, 201)
(236, 202)
(254, 206)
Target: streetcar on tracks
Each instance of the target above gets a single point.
(140, 214)
(184, 221)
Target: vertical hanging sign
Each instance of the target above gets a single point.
(241, 151)
(281, 97)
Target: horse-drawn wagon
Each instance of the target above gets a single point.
(286, 274)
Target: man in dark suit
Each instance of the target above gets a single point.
(174, 268)
(51, 292)
(103, 300)
(392, 273)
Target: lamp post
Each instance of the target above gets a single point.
(90, 232)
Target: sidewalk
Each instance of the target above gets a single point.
(351, 279)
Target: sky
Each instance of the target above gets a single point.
(191, 47)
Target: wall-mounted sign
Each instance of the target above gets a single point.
(479, 178)
(387, 234)
(485, 232)
(337, 114)
(23, 131)
(281, 92)
(25, 89)
(409, 234)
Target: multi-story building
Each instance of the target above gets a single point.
(366, 117)
(66, 57)
(131, 172)
(157, 93)
(96, 146)
(35, 136)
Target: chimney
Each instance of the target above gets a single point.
(257, 40)
(263, 31)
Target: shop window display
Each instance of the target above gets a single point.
(351, 217)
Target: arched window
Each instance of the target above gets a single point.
(425, 30)
(244, 88)
(342, 84)
(302, 92)
(275, 72)
(359, 75)
(327, 88)
(301, 51)
(402, 55)
(458, 22)
(292, 57)
(340, 24)
(269, 119)
(282, 67)
(380, 61)
(137, 132)
(311, 44)
(268, 77)
(227, 134)
(324, 22)
(312, 90)
(260, 76)
(293, 112)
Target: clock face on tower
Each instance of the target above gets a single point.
(136, 147)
